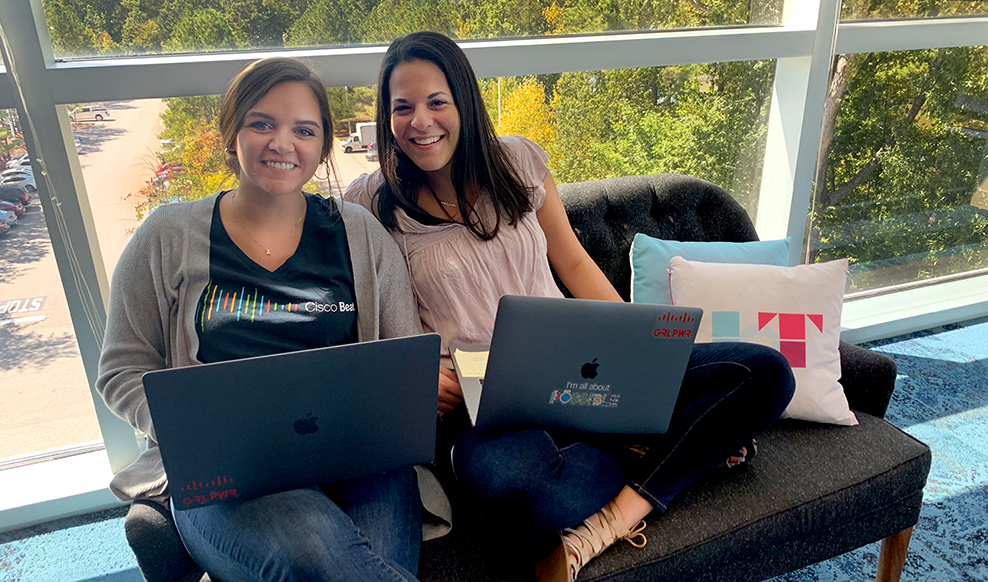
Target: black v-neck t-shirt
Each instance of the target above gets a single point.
(308, 302)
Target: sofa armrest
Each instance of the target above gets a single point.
(868, 379)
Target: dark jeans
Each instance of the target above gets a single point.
(533, 481)
(368, 528)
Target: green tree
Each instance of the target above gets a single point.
(329, 22)
(68, 34)
(584, 134)
(499, 18)
(903, 152)
(82, 28)
(194, 147)
(203, 30)
(263, 23)
(391, 19)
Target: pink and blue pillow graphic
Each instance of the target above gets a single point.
(790, 330)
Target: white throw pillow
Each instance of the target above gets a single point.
(795, 310)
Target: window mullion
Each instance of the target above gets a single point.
(799, 95)
(62, 192)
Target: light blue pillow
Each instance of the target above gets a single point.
(650, 261)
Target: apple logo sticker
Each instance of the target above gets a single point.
(589, 370)
(307, 425)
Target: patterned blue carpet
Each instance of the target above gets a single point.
(941, 398)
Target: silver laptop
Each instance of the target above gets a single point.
(240, 429)
(572, 364)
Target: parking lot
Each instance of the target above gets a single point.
(44, 390)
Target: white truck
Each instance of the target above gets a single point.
(366, 135)
(89, 114)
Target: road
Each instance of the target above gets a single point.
(43, 388)
(350, 166)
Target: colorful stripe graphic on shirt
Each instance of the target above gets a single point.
(245, 305)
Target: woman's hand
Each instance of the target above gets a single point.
(450, 393)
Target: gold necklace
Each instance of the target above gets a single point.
(267, 251)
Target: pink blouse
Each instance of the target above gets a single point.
(458, 278)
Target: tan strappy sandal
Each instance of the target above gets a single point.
(586, 542)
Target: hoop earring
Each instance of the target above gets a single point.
(316, 174)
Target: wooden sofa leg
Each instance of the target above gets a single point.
(893, 556)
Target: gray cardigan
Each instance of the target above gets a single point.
(151, 324)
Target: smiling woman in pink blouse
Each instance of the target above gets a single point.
(478, 217)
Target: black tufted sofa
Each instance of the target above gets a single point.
(813, 493)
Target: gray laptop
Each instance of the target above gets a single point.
(572, 364)
(244, 428)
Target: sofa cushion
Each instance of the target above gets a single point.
(650, 258)
(796, 310)
(808, 479)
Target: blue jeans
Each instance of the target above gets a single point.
(533, 481)
(363, 529)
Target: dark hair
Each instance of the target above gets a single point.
(479, 160)
(251, 84)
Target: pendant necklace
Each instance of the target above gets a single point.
(267, 251)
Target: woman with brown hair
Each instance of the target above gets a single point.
(478, 216)
(266, 238)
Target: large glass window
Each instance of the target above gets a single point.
(46, 405)
(865, 9)
(707, 121)
(901, 189)
(82, 28)
(703, 120)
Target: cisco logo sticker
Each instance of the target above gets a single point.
(672, 326)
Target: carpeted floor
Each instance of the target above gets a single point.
(941, 398)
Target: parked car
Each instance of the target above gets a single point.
(15, 162)
(9, 217)
(89, 114)
(15, 207)
(22, 179)
(166, 171)
(14, 193)
(16, 172)
(371, 154)
(23, 163)
(4, 229)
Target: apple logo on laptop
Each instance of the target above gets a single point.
(589, 370)
(307, 425)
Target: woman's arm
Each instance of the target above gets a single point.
(575, 268)
(134, 341)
